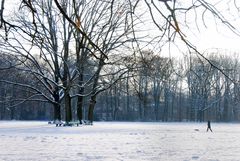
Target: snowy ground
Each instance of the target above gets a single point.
(116, 141)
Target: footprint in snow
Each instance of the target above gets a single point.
(195, 157)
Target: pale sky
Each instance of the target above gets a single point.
(215, 34)
(211, 38)
(209, 33)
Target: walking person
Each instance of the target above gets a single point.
(209, 126)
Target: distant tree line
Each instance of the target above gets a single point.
(157, 89)
(165, 89)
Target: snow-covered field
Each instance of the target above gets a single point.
(119, 141)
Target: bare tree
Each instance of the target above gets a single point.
(46, 44)
(108, 27)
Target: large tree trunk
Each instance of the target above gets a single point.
(67, 32)
(81, 58)
(80, 109)
(94, 92)
(57, 107)
(57, 112)
(91, 109)
(80, 97)
(81, 89)
(68, 108)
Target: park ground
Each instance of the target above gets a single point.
(119, 141)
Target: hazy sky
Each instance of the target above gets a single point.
(209, 32)
(215, 34)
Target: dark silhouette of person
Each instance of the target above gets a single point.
(209, 126)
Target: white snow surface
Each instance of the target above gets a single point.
(119, 141)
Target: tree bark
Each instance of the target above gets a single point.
(57, 106)
(68, 108)
(80, 109)
(91, 109)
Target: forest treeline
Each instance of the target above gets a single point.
(157, 89)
